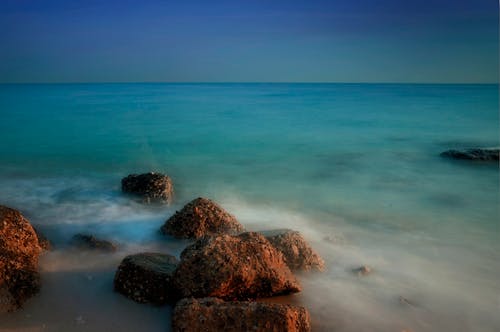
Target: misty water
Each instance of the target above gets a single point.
(355, 168)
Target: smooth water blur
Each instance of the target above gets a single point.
(356, 168)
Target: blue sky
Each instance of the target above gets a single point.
(249, 41)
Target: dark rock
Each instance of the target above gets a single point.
(473, 154)
(146, 278)
(153, 187)
(296, 251)
(362, 270)
(211, 314)
(19, 251)
(90, 242)
(201, 217)
(44, 243)
(233, 267)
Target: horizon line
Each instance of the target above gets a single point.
(246, 82)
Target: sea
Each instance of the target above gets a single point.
(356, 168)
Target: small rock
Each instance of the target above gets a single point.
(153, 187)
(211, 314)
(90, 242)
(477, 154)
(362, 270)
(201, 217)
(146, 277)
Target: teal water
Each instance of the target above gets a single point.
(355, 167)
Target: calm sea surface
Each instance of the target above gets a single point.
(354, 167)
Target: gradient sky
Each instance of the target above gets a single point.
(252, 41)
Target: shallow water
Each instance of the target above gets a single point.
(355, 168)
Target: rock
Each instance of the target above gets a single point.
(153, 187)
(146, 277)
(44, 243)
(362, 270)
(90, 242)
(233, 267)
(473, 154)
(199, 218)
(296, 251)
(19, 251)
(211, 314)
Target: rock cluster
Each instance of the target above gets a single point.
(210, 314)
(19, 251)
(201, 217)
(146, 278)
(473, 154)
(152, 187)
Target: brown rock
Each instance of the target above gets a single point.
(362, 270)
(296, 251)
(90, 242)
(44, 243)
(233, 267)
(146, 277)
(153, 187)
(19, 251)
(201, 217)
(210, 314)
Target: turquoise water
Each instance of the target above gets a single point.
(355, 167)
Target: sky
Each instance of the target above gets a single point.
(425, 41)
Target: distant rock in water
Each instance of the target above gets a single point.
(146, 277)
(473, 154)
(362, 270)
(153, 187)
(90, 242)
(229, 267)
(297, 252)
(19, 251)
(211, 314)
(201, 217)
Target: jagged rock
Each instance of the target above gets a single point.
(233, 267)
(19, 251)
(297, 252)
(153, 187)
(201, 217)
(362, 270)
(211, 314)
(473, 154)
(90, 242)
(44, 243)
(146, 277)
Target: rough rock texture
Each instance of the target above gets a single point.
(153, 187)
(233, 267)
(473, 154)
(44, 243)
(296, 251)
(146, 277)
(201, 217)
(90, 242)
(19, 251)
(210, 314)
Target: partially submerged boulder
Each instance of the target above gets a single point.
(363, 270)
(297, 252)
(233, 267)
(211, 314)
(152, 187)
(201, 217)
(477, 154)
(90, 242)
(19, 251)
(146, 277)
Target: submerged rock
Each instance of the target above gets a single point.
(201, 217)
(233, 267)
(473, 154)
(362, 270)
(146, 277)
(296, 251)
(211, 314)
(19, 251)
(90, 242)
(153, 187)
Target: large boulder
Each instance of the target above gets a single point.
(19, 251)
(297, 252)
(233, 267)
(90, 242)
(211, 314)
(146, 277)
(201, 217)
(473, 154)
(152, 187)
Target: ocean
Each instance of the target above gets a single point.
(354, 167)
